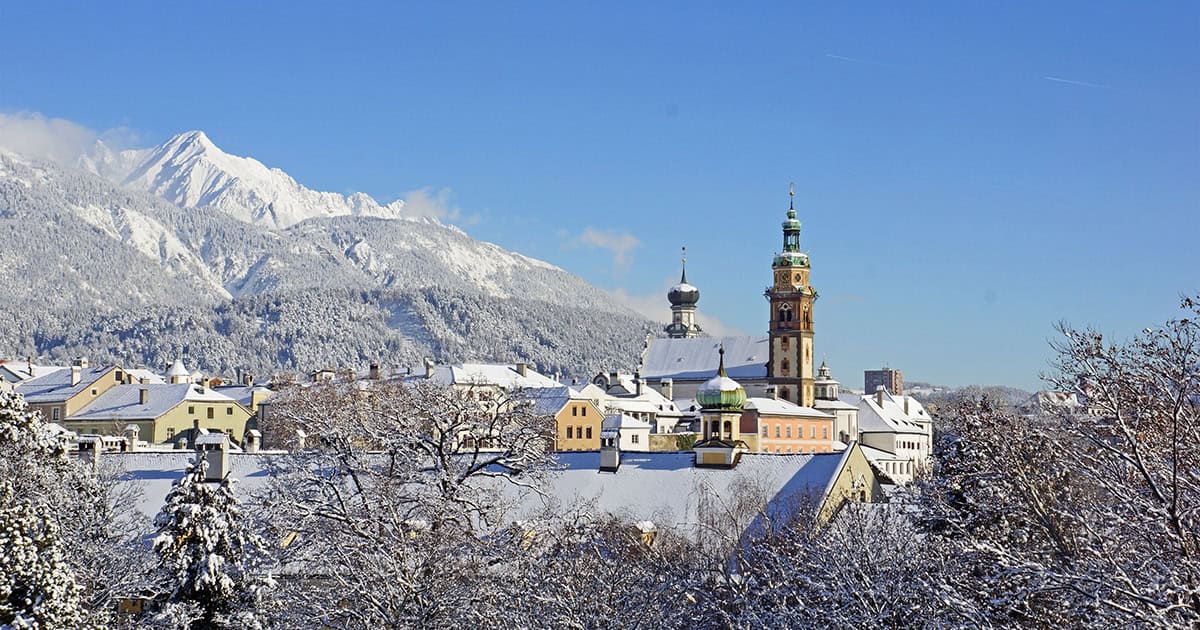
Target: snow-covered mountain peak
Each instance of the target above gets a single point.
(191, 171)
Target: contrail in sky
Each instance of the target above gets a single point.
(1079, 83)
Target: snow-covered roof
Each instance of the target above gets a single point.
(501, 375)
(548, 401)
(666, 488)
(141, 374)
(696, 358)
(832, 405)
(876, 455)
(15, 371)
(56, 386)
(123, 402)
(779, 407)
(663, 487)
(886, 418)
(244, 394)
(621, 421)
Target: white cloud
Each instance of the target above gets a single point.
(439, 204)
(619, 243)
(33, 135)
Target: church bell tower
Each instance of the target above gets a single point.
(790, 368)
(683, 298)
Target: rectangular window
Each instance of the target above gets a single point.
(788, 431)
(117, 376)
(54, 414)
(94, 392)
(813, 432)
(191, 410)
(210, 413)
(634, 438)
(589, 433)
(584, 414)
(825, 433)
(765, 431)
(777, 430)
(570, 433)
(574, 411)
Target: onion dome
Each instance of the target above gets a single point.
(720, 392)
(791, 223)
(178, 370)
(683, 294)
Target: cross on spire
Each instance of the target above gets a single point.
(721, 365)
(683, 276)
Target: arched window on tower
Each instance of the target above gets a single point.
(785, 367)
(783, 393)
(807, 316)
(785, 313)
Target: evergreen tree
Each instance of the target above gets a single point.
(210, 554)
(37, 588)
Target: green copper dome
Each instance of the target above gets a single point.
(791, 222)
(720, 392)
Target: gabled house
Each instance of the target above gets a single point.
(61, 394)
(160, 412)
(898, 426)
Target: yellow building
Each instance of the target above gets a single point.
(64, 392)
(160, 412)
(577, 426)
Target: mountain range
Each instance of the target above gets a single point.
(142, 256)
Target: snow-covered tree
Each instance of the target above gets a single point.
(391, 503)
(209, 555)
(37, 587)
(95, 519)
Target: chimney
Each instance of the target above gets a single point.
(214, 450)
(75, 372)
(29, 364)
(89, 450)
(668, 388)
(523, 369)
(610, 451)
(373, 372)
(879, 390)
(81, 362)
(237, 374)
(247, 379)
(640, 385)
(131, 433)
(252, 441)
(905, 399)
(143, 395)
(429, 368)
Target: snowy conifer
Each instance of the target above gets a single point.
(37, 588)
(209, 553)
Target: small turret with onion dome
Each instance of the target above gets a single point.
(683, 298)
(721, 402)
(721, 393)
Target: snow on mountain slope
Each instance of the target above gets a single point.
(190, 171)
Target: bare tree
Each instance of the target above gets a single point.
(391, 501)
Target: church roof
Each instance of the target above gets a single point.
(692, 359)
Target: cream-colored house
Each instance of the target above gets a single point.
(61, 394)
(160, 412)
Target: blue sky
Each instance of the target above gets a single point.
(967, 173)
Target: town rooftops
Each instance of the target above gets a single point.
(16, 371)
(56, 386)
(504, 376)
(123, 402)
(693, 359)
(663, 487)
